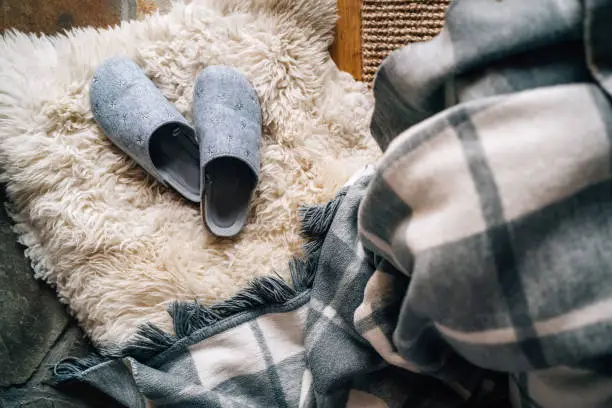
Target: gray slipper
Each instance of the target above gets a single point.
(228, 127)
(137, 118)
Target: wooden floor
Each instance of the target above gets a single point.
(346, 50)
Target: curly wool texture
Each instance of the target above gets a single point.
(117, 246)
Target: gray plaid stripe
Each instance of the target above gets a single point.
(383, 318)
(526, 71)
(558, 348)
(393, 211)
(587, 219)
(375, 320)
(256, 390)
(367, 323)
(273, 376)
(392, 114)
(321, 316)
(499, 239)
(451, 280)
(436, 125)
(351, 259)
(182, 366)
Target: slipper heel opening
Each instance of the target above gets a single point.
(174, 153)
(229, 186)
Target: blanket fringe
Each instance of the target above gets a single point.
(72, 368)
(316, 221)
(191, 317)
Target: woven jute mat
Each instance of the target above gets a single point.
(387, 25)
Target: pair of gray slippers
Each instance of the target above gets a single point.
(216, 164)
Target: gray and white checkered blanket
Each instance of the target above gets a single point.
(479, 243)
(279, 346)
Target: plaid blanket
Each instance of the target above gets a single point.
(276, 345)
(478, 244)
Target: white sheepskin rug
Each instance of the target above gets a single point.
(116, 245)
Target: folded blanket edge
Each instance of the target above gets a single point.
(191, 318)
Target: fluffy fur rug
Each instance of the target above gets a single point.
(117, 246)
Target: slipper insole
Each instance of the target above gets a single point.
(229, 185)
(176, 156)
